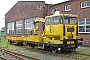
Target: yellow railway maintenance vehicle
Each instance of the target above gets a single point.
(61, 32)
(54, 33)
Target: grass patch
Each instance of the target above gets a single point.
(30, 52)
(3, 41)
(83, 56)
(4, 44)
(84, 50)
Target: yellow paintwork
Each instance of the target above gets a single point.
(39, 19)
(14, 38)
(41, 47)
(57, 30)
(69, 33)
(32, 38)
(71, 15)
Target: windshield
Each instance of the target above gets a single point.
(55, 20)
(70, 20)
(59, 20)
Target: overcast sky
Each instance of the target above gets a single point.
(6, 5)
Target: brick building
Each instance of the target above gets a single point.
(20, 17)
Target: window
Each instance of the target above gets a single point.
(54, 10)
(68, 8)
(55, 20)
(61, 19)
(70, 20)
(19, 27)
(47, 21)
(85, 4)
(10, 27)
(84, 25)
(29, 25)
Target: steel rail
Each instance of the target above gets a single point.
(18, 55)
(3, 58)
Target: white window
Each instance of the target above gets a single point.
(84, 25)
(29, 25)
(10, 27)
(19, 27)
(68, 8)
(54, 10)
(85, 4)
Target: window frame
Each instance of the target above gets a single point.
(61, 19)
(85, 3)
(49, 21)
(20, 24)
(53, 20)
(85, 25)
(10, 27)
(28, 25)
(69, 8)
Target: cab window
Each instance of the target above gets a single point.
(47, 21)
(70, 20)
(66, 20)
(61, 18)
(55, 20)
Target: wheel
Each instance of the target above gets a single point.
(46, 48)
(10, 42)
(50, 49)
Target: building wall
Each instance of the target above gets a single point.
(23, 10)
(75, 8)
(86, 38)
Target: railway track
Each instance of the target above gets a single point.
(47, 52)
(55, 54)
(3, 58)
(16, 55)
(62, 55)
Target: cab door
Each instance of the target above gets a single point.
(55, 28)
(47, 26)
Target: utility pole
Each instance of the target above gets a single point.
(49, 9)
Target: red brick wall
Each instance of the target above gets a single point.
(75, 8)
(40, 27)
(86, 39)
(23, 10)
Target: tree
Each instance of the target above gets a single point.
(3, 28)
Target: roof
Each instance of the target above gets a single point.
(31, 1)
(71, 15)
